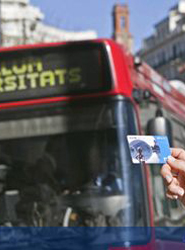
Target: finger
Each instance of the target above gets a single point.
(166, 173)
(171, 196)
(177, 165)
(178, 153)
(175, 189)
(175, 173)
(176, 181)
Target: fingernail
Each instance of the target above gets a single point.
(175, 197)
(171, 158)
(168, 178)
(181, 192)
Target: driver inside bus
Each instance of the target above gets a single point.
(174, 174)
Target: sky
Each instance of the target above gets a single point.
(81, 15)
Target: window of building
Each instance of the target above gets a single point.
(172, 73)
(163, 57)
(178, 49)
(174, 49)
(122, 22)
(167, 55)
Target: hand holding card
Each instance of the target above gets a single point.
(175, 183)
(149, 149)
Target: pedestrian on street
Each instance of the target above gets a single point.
(174, 174)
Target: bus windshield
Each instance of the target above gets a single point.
(71, 167)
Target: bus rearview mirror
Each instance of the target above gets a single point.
(160, 126)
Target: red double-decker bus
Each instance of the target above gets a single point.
(65, 112)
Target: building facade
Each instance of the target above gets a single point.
(22, 23)
(164, 50)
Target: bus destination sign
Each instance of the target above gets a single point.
(52, 72)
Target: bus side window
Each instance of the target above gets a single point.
(177, 213)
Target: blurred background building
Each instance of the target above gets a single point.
(22, 23)
(164, 50)
(121, 31)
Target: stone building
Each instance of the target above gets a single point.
(164, 50)
(22, 23)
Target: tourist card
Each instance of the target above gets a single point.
(149, 149)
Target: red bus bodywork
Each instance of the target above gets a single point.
(125, 77)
